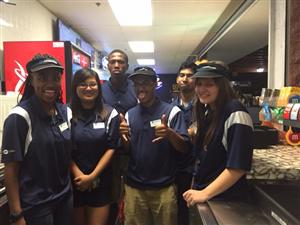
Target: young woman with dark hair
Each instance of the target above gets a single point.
(223, 145)
(95, 137)
(36, 149)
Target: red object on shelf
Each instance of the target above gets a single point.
(287, 111)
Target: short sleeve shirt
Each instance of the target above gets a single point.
(231, 147)
(153, 165)
(42, 145)
(186, 163)
(92, 137)
(121, 99)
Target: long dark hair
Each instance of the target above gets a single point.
(203, 112)
(76, 106)
(27, 88)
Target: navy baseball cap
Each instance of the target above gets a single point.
(143, 71)
(41, 62)
(211, 70)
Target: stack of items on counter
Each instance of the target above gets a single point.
(279, 110)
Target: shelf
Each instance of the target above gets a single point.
(291, 123)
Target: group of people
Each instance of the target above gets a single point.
(70, 164)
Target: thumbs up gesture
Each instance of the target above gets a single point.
(124, 128)
(162, 130)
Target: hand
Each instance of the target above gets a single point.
(124, 128)
(193, 197)
(83, 182)
(20, 222)
(162, 130)
(192, 131)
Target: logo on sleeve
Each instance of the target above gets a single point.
(6, 151)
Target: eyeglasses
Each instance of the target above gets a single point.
(91, 85)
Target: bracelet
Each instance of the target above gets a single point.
(14, 217)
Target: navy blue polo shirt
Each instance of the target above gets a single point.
(152, 165)
(92, 137)
(121, 99)
(186, 163)
(42, 145)
(231, 147)
(187, 111)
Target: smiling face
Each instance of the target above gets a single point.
(207, 91)
(87, 92)
(47, 85)
(144, 89)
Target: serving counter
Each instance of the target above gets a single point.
(275, 193)
(278, 162)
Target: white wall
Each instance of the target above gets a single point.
(29, 20)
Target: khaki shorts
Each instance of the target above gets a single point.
(150, 207)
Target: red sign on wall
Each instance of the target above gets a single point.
(17, 54)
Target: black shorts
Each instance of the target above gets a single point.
(97, 197)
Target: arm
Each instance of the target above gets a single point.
(84, 181)
(163, 131)
(124, 132)
(76, 172)
(177, 141)
(11, 175)
(224, 181)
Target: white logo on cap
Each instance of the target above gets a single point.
(209, 67)
(50, 61)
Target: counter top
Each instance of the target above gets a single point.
(280, 162)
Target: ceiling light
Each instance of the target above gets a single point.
(132, 12)
(4, 23)
(260, 70)
(146, 62)
(141, 46)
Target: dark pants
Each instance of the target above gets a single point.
(60, 214)
(183, 182)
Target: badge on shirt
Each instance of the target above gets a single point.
(155, 123)
(64, 126)
(99, 125)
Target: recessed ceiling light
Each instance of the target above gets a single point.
(141, 46)
(260, 70)
(146, 62)
(132, 12)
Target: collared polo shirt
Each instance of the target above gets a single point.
(230, 147)
(186, 163)
(92, 137)
(42, 145)
(152, 165)
(187, 111)
(121, 99)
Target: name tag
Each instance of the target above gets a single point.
(155, 123)
(99, 125)
(64, 126)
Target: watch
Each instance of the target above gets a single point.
(14, 217)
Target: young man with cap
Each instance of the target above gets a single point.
(118, 92)
(185, 166)
(223, 144)
(155, 133)
(36, 149)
